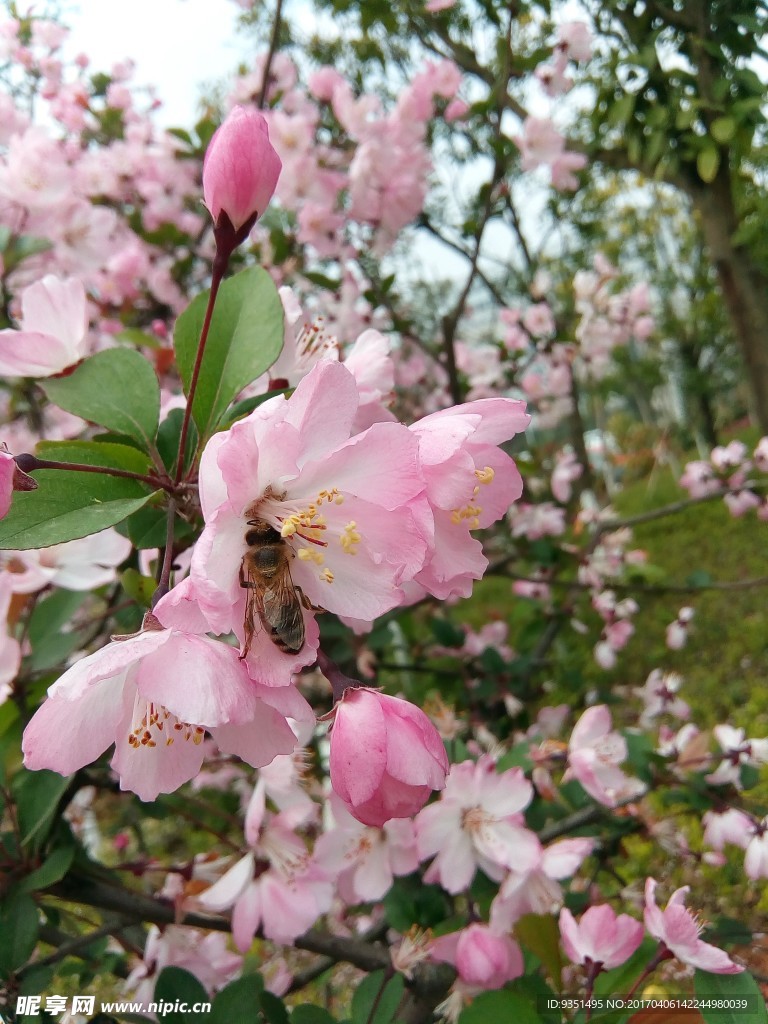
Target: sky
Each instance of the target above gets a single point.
(177, 44)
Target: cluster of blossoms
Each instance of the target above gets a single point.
(730, 471)
(324, 500)
(361, 520)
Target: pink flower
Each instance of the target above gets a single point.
(575, 38)
(732, 826)
(477, 823)
(756, 859)
(533, 884)
(679, 930)
(470, 484)
(349, 510)
(7, 473)
(53, 332)
(75, 565)
(484, 958)
(737, 750)
(277, 887)
(366, 859)
(154, 695)
(594, 755)
(540, 143)
(241, 168)
(203, 954)
(386, 756)
(567, 469)
(601, 936)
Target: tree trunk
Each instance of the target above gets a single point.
(743, 283)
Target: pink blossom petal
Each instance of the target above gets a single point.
(246, 917)
(229, 887)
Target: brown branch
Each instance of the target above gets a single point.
(138, 907)
(273, 44)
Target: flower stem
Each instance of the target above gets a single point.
(219, 266)
(338, 680)
(29, 463)
(164, 582)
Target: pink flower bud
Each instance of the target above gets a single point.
(484, 958)
(386, 756)
(7, 473)
(241, 168)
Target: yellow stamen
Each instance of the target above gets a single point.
(350, 538)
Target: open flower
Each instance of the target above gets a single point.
(600, 937)
(364, 858)
(386, 756)
(679, 930)
(594, 755)
(470, 484)
(53, 332)
(350, 510)
(477, 823)
(154, 695)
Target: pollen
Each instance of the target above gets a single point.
(350, 538)
(486, 475)
(308, 555)
(327, 576)
(149, 729)
(307, 523)
(334, 495)
(469, 514)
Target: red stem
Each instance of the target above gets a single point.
(31, 463)
(219, 266)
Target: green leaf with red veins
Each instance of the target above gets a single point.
(245, 339)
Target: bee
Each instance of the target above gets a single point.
(265, 573)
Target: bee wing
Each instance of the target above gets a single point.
(280, 610)
(253, 610)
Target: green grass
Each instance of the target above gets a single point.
(725, 663)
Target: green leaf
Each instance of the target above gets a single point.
(373, 988)
(174, 983)
(18, 931)
(168, 437)
(37, 797)
(51, 870)
(707, 163)
(539, 934)
(140, 588)
(70, 504)
(147, 527)
(51, 643)
(499, 1006)
(722, 989)
(22, 247)
(245, 338)
(306, 1013)
(723, 129)
(116, 389)
(273, 1009)
(239, 1001)
(698, 578)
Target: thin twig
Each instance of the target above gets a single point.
(273, 43)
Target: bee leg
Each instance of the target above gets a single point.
(247, 584)
(306, 602)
